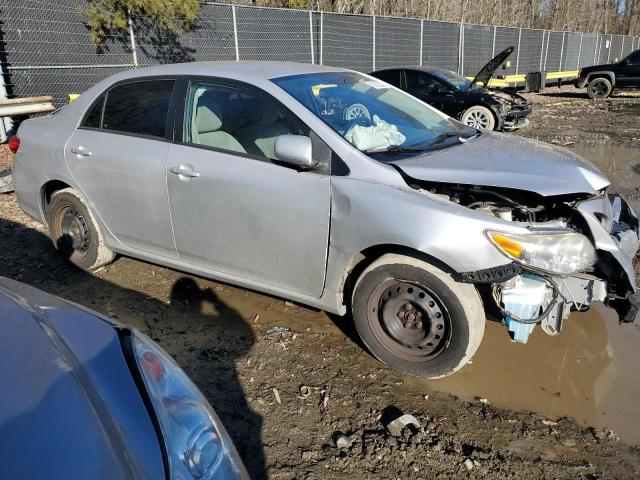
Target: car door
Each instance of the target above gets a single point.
(628, 73)
(235, 209)
(118, 158)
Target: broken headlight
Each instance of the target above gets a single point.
(558, 252)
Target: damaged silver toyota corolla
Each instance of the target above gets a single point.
(263, 175)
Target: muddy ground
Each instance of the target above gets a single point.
(286, 380)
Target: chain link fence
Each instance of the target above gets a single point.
(46, 49)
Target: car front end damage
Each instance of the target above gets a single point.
(570, 265)
(512, 108)
(579, 250)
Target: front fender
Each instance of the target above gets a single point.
(366, 214)
(609, 74)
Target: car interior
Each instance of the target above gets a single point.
(237, 121)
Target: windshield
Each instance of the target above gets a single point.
(457, 81)
(372, 115)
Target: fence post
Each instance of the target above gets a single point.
(321, 37)
(132, 39)
(493, 43)
(542, 48)
(546, 50)
(313, 61)
(235, 32)
(421, 39)
(579, 52)
(561, 51)
(461, 50)
(518, 51)
(374, 42)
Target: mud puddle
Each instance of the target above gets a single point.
(620, 164)
(588, 372)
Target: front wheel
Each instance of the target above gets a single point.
(479, 117)
(599, 88)
(415, 318)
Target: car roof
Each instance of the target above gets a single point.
(423, 68)
(242, 70)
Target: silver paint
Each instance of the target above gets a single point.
(294, 234)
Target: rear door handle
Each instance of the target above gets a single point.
(185, 172)
(81, 151)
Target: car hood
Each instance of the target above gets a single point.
(69, 404)
(500, 160)
(486, 72)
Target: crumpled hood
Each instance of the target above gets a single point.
(500, 160)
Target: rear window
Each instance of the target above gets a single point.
(140, 107)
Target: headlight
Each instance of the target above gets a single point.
(196, 442)
(563, 253)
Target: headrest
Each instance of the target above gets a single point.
(206, 120)
(267, 114)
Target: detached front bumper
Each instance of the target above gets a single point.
(615, 230)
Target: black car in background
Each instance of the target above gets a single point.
(82, 397)
(468, 101)
(602, 80)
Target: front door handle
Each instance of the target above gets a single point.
(185, 172)
(81, 151)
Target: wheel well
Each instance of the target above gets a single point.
(607, 75)
(369, 255)
(48, 189)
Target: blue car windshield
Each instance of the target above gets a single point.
(374, 116)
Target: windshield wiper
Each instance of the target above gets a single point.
(417, 148)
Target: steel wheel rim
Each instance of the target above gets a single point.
(356, 111)
(477, 119)
(409, 320)
(74, 230)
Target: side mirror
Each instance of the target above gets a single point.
(295, 150)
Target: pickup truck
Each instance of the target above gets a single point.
(602, 80)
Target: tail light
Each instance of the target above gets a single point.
(14, 144)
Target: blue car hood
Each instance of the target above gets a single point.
(69, 407)
(508, 161)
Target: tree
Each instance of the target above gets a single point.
(105, 16)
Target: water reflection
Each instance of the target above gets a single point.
(620, 164)
(588, 372)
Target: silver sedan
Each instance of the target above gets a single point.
(336, 190)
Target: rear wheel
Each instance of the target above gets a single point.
(479, 117)
(414, 317)
(74, 232)
(599, 88)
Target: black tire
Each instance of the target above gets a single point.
(452, 316)
(74, 233)
(599, 88)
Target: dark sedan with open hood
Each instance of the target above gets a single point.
(471, 102)
(85, 398)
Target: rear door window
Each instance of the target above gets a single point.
(139, 108)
